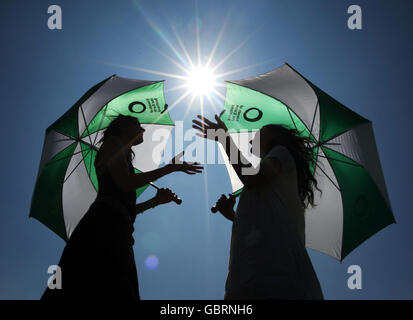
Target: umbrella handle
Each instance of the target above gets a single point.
(176, 199)
(214, 209)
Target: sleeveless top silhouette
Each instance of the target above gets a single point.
(98, 260)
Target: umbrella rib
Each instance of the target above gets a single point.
(66, 135)
(61, 140)
(56, 160)
(90, 162)
(91, 147)
(312, 122)
(86, 126)
(94, 140)
(77, 165)
(349, 163)
(328, 177)
(321, 144)
(100, 124)
(331, 144)
(292, 118)
(341, 133)
(77, 140)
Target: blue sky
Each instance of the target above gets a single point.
(45, 72)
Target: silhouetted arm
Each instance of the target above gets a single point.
(163, 195)
(143, 206)
(119, 169)
(268, 167)
(244, 169)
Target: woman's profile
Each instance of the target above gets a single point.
(98, 259)
(268, 258)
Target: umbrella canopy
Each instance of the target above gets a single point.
(354, 203)
(66, 183)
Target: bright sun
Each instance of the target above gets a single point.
(199, 78)
(200, 81)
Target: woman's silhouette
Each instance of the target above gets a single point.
(98, 260)
(268, 259)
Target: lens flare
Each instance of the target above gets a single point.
(151, 262)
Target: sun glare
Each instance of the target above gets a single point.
(199, 78)
(200, 81)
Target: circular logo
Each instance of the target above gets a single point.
(252, 119)
(132, 105)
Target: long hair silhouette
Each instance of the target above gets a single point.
(304, 157)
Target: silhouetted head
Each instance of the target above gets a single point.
(273, 135)
(127, 130)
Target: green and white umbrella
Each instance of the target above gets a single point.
(66, 183)
(354, 203)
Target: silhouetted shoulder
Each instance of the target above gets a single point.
(108, 153)
(284, 157)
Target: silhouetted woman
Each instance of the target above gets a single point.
(98, 260)
(268, 258)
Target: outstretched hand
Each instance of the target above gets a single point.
(208, 129)
(188, 167)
